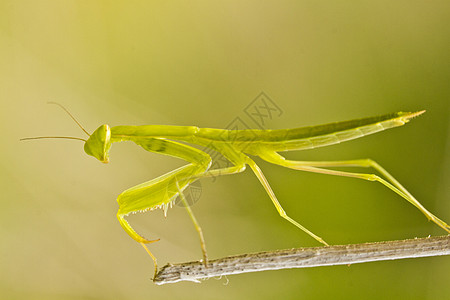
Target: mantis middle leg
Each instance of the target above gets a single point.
(240, 160)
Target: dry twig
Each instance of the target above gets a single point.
(305, 257)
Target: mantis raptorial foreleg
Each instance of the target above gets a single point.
(162, 191)
(155, 263)
(277, 204)
(389, 181)
(157, 193)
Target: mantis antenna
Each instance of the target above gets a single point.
(53, 137)
(73, 118)
(60, 137)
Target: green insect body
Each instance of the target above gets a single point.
(236, 146)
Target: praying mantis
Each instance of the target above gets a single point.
(237, 146)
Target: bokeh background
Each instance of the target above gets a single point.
(201, 63)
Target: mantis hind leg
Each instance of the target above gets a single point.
(277, 204)
(389, 181)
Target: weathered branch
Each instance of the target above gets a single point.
(305, 257)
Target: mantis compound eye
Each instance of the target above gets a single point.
(99, 143)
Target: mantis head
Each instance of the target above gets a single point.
(99, 143)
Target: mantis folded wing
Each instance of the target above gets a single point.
(236, 146)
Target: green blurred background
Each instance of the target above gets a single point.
(201, 63)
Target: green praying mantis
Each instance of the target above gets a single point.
(236, 146)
